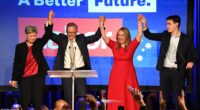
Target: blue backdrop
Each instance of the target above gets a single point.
(145, 57)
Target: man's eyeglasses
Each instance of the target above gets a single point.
(71, 33)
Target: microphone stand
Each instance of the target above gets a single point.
(72, 69)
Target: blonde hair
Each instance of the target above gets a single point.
(127, 35)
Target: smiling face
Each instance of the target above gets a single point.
(123, 36)
(31, 37)
(31, 34)
(71, 32)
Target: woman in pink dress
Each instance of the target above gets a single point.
(123, 72)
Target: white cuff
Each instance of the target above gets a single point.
(47, 23)
(144, 29)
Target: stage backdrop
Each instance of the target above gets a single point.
(16, 14)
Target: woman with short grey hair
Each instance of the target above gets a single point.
(30, 68)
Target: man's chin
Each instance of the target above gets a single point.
(31, 42)
(169, 31)
(70, 38)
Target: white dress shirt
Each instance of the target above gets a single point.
(170, 58)
(78, 57)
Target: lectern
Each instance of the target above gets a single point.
(72, 74)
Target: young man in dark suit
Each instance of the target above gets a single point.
(177, 56)
(72, 54)
(30, 68)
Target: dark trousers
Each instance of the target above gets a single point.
(171, 80)
(80, 89)
(31, 90)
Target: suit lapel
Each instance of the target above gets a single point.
(180, 42)
(167, 42)
(65, 42)
(78, 41)
(24, 52)
(25, 49)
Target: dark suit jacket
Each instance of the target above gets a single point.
(21, 51)
(185, 51)
(81, 41)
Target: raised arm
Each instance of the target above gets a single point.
(48, 31)
(137, 95)
(147, 33)
(49, 23)
(103, 33)
(50, 16)
(143, 20)
(93, 38)
(139, 35)
(49, 28)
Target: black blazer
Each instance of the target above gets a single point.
(21, 51)
(81, 41)
(185, 51)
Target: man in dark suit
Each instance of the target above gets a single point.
(72, 54)
(29, 68)
(177, 56)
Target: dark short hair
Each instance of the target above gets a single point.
(175, 19)
(72, 24)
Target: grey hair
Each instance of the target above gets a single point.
(29, 29)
